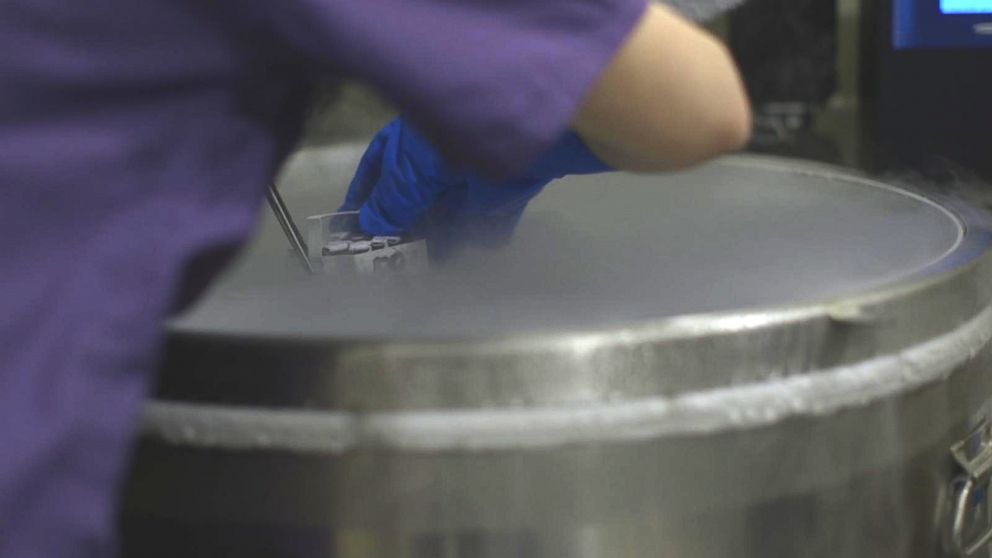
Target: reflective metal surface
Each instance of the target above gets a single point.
(338, 246)
(285, 219)
(817, 345)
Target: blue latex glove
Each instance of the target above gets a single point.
(403, 185)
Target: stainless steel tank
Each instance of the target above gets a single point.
(758, 358)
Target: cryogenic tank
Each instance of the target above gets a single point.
(757, 358)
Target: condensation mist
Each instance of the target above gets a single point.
(594, 252)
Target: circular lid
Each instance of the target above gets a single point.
(615, 285)
(613, 250)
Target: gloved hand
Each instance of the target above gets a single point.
(403, 185)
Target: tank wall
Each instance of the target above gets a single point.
(868, 481)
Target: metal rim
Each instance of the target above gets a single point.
(827, 391)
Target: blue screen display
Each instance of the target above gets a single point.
(966, 6)
(935, 24)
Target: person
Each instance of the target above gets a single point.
(137, 139)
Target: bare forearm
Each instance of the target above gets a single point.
(671, 98)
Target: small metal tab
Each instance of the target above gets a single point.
(385, 241)
(336, 247)
(974, 456)
(360, 246)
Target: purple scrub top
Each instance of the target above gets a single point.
(136, 139)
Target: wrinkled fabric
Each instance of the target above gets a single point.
(136, 139)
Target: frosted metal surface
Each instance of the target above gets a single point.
(600, 252)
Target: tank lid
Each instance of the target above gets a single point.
(615, 286)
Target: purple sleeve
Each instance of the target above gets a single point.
(491, 82)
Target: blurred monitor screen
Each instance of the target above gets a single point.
(941, 24)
